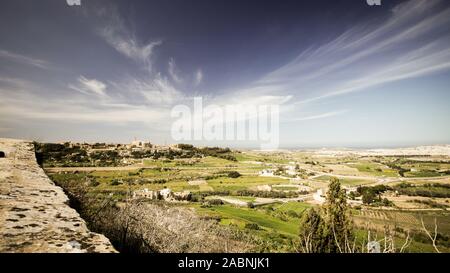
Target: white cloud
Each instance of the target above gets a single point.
(320, 116)
(27, 104)
(24, 59)
(400, 47)
(151, 89)
(253, 99)
(412, 42)
(128, 46)
(89, 86)
(83, 112)
(173, 71)
(122, 39)
(13, 81)
(156, 90)
(198, 77)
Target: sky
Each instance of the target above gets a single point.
(342, 72)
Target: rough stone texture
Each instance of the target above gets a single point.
(34, 212)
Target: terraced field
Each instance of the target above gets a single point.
(345, 181)
(277, 222)
(404, 219)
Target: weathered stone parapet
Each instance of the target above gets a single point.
(34, 212)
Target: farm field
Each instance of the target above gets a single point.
(265, 194)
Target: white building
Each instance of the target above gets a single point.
(290, 170)
(140, 144)
(264, 188)
(266, 172)
(304, 188)
(319, 196)
(145, 193)
(165, 193)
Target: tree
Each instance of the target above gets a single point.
(368, 196)
(328, 229)
(312, 228)
(339, 230)
(434, 236)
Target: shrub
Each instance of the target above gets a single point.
(267, 194)
(115, 182)
(253, 226)
(426, 190)
(430, 203)
(368, 197)
(196, 198)
(94, 183)
(386, 203)
(215, 202)
(234, 174)
(185, 146)
(292, 213)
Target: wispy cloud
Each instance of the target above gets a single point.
(412, 42)
(320, 116)
(129, 46)
(15, 82)
(25, 103)
(121, 38)
(83, 112)
(23, 59)
(173, 71)
(157, 90)
(89, 86)
(152, 88)
(198, 77)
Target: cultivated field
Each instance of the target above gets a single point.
(266, 193)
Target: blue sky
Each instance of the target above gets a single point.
(344, 73)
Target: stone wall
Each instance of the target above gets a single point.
(34, 212)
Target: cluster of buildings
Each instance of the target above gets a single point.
(321, 194)
(164, 194)
(287, 170)
(291, 170)
(123, 149)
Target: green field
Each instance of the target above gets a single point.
(276, 224)
(243, 182)
(259, 217)
(345, 181)
(375, 169)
